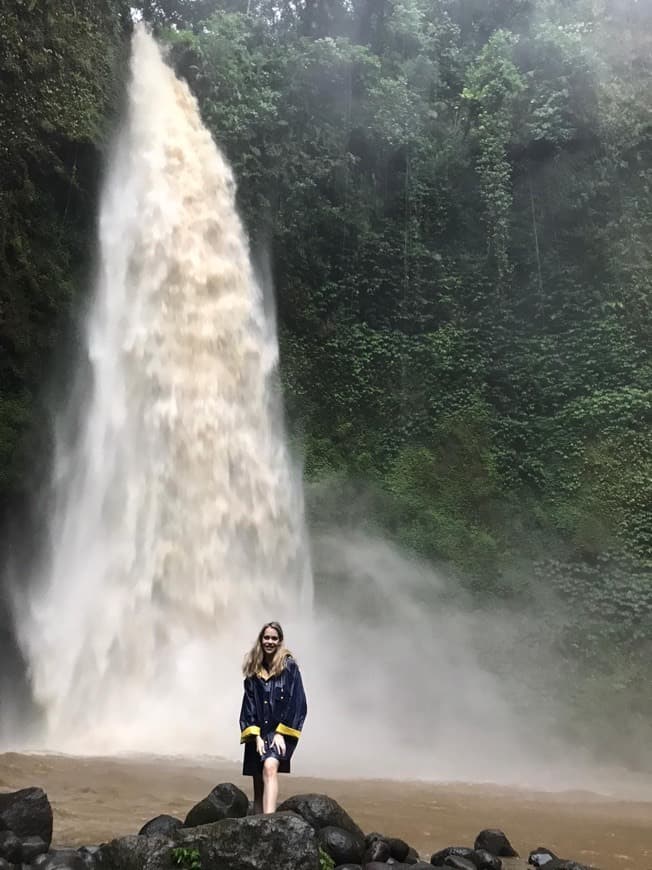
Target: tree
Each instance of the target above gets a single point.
(57, 84)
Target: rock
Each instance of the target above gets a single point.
(10, 847)
(320, 811)
(226, 801)
(484, 860)
(399, 849)
(61, 859)
(343, 846)
(231, 844)
(248, 843)
(27, 813)
(5, 865)
(458, 862)
(32, 847)
(165, 825)
(541, 856)
(137, 853)
(496, 842)
(377, 850)
(396, 865)
(88, 854)
(438, 858)
(348, 867)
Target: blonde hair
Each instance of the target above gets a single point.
(253, 662)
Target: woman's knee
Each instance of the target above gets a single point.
(270, 768)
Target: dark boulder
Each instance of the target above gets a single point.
(343, 846)
(396, 865)
(438, 858)
(248, 843)
(89, 855)
(458, 862)
(320, 811)
(230, 844)
(32, 847)
(226, 801)
(541, 856)
(377, 850)
(399, 849)
(27, 813)
(136, 853)
(164, 825)
(61, 859)
(484, 860)
(10, 847)
(496, 842)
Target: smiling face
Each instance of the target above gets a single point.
(269, 640)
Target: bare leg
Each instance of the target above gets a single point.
(270, 780)
(258, 793)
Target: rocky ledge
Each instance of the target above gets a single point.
(309, 832)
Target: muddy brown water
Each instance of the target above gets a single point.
(95, 799)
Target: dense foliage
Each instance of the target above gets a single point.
(455, 197)
(456, 200)
(58, 65)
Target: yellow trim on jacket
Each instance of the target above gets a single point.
(289, 732)
(251, 731)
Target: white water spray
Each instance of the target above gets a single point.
(178, 523)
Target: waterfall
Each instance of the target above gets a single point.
(178, 521)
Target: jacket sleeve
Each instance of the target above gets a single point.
(249, 726)
(296, 709)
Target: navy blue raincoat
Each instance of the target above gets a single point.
(272, 705)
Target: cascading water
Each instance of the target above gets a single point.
(178, 523)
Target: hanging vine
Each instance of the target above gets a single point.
(492, 83)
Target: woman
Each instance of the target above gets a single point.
(273, 712)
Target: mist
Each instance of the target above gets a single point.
(408, 678)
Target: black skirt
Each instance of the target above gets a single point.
(252, 764)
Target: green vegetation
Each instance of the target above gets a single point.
(448, 192)
(325, 861)
(456, 200)
(186, 858)
(58, 86)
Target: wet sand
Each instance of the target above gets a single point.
(95, 799)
